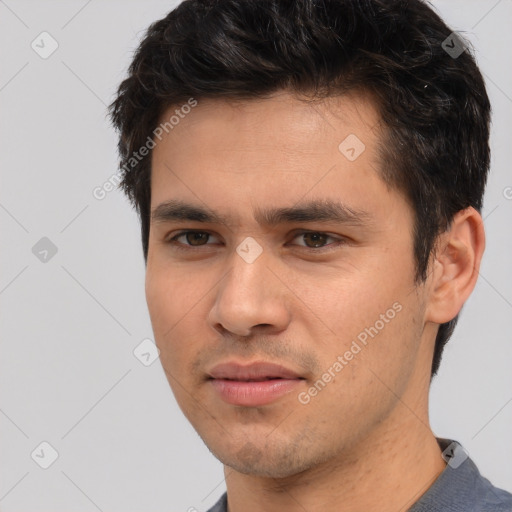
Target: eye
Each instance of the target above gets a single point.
(192, 238)
(318, 240)
(314, 240)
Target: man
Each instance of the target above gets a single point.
(309, 178)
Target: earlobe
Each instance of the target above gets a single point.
(455, 266)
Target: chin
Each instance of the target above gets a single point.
(269, 461)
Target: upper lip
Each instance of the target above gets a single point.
(253, 371)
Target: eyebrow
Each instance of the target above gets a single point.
(312, 211)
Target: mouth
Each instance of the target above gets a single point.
(255, 380)
(253, 385)
(253, 393)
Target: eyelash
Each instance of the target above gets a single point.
(187, 247)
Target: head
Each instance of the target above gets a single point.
(251, 106)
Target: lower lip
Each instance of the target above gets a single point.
(252, 394)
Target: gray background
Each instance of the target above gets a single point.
(69, 325)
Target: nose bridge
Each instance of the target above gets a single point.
(246, 286)
(249, 295)
(248, 263)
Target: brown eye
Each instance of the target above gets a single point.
(196, 237)
(316, 239)
(190, 239)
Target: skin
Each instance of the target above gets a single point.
(364, 441)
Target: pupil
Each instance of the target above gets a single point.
(196, 237)
(316, 236)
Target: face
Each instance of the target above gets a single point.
(263, 277)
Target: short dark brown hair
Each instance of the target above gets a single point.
(433, 103)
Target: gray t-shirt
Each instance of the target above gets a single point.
(459, 488)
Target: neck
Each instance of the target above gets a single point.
(388, 471)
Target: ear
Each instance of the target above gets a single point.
(455, 266)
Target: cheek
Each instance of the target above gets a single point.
(375, 333)
(168, 309)
(391, 353)
(357, 307)
(368, 376)
(174, 334)
(169, 293)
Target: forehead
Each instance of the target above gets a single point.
(283, 120)
(279, 151)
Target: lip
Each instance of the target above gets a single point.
(253, 371)
(258, 383)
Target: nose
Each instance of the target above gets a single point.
(250, 296)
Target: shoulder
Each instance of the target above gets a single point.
(461, 487)
(494, 499)
(221, 505)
